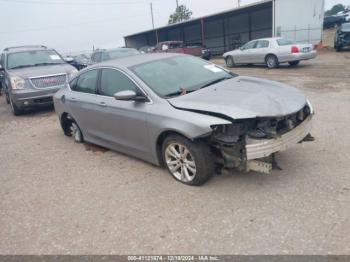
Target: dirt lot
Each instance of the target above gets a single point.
(58, 197)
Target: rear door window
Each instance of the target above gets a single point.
(263, 44)
(284, 42)
(86, 83)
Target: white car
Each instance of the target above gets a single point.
(270, 51)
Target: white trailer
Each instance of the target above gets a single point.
(299, 20)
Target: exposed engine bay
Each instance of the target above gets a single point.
(244, 145)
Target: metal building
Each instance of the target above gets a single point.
(228, 30)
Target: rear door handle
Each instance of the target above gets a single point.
(103, 104)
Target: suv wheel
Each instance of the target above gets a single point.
(189, 162)
(15, 109)
(7, 96)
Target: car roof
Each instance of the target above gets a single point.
(267, 39)
(130, 61)
(16, 49)
(114, 49)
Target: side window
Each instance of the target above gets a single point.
(262, 44)
(113, 81)
(86, 83)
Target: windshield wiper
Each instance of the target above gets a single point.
(215, 81)
(45, 64)
(180, 92)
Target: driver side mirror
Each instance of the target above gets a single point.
(129, 95)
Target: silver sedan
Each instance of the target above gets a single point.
(184, 113)
(271, 52)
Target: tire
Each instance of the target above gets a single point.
(76, 133)
(72, 129)
(271, 61)
(7, 98)
(338, 48)
(195, 166)
(230, 62)
(15, 109)
(294, 63)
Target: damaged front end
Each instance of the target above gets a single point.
(250, 145)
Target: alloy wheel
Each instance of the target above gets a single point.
(271, 62)
(180, 162)
(76, 133)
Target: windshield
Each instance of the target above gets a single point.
(283, 42)
(179, 75)
(115, 54)
(83, 58)
(33, 58)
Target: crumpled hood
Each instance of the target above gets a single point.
(29, 72)
(244, 98)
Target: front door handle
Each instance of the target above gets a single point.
(103, 104)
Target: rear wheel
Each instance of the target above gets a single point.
(189, 162)
(271, 61)
(76, 133)
(71, 128)
(230, 62)
(294, 63)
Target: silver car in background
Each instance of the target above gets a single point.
(184, 113)
(271, 52)
(31, 76)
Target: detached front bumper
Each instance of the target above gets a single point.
(258, 149)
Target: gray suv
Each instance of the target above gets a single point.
(31, 75)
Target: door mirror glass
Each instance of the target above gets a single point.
(126, 95)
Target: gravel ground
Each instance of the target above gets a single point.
(58, 197)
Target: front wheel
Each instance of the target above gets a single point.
(271, 61)
(189, 162)
(294, 63)
(15, 109)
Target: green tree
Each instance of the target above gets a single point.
(181, 14)
(336, 9)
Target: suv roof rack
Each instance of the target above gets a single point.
(25, 46)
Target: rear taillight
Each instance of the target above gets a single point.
(295, 50)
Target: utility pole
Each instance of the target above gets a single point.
(152, 15)
(239, 3)
(177, 3)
